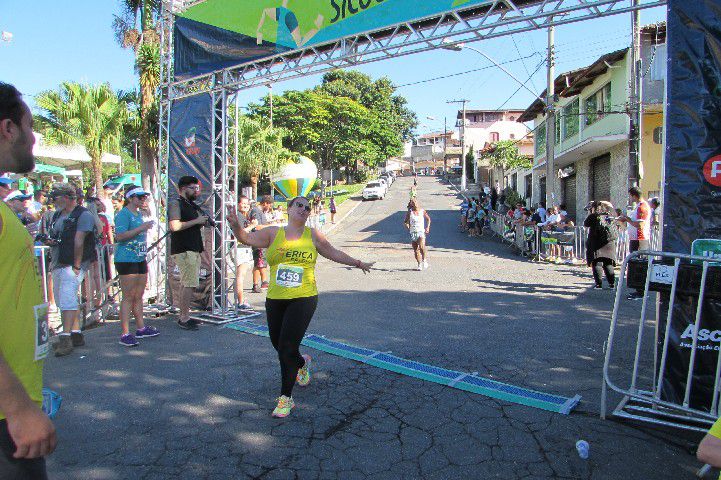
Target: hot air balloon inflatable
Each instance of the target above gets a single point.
(295, 179)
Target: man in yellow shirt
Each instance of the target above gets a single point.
(709, 450)
(26, 433)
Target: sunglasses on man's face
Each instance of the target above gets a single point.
(306, 207)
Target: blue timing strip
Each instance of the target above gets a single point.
(468, 382)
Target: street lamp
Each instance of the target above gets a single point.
(457, 47)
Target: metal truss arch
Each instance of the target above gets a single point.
(498, 18)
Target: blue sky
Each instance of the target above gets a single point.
(56, 41)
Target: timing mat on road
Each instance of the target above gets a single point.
(469, 382)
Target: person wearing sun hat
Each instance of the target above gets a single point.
(131, 265)
(5, 186)
(72, 241)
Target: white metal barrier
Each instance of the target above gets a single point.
(562, 246)
(646, 369)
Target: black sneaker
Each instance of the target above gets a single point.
(598, 287)
(189, 325)
(77, 339)
(634, 296)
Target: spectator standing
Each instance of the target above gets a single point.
(601, 243)
(186, 243)
(5, 187)
(72, 242)
(333, 209)
(639, 227)
(262, 214)
(542, 212)
(26, 186)
(131, 265)
(244, 260)
(494, 197)
(19, 203)
(37, 205)
(27, 433)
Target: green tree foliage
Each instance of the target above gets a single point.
(470, 157)
(136, 28)
(260, 149)
(347, 120)
(505, 155)
(92, 116)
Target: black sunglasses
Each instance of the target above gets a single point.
(307, 207)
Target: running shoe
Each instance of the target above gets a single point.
(244, 306)
(128, 340)
(189, 325)
(598, 287)
(146, 332)
(420, 267)
(77, 339)
(285, 405)
(256, 288)
(303, 377)
(264, 286)
(425, 264)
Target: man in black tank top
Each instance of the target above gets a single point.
(186, 243)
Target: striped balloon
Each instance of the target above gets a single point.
(295, 179)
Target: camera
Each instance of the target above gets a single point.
(44, 238)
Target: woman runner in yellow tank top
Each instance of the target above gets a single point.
(292, 294)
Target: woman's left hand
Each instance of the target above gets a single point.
(366, 267)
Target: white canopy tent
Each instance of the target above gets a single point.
(74, 157)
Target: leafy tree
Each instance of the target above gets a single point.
(260, 149)
(334, 131)
(470, 157)
(346, 121)
(505, 156)
(137, 28)
(92, 116)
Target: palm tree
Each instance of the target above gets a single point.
(88, 115)
(260, 149)
(136, 28)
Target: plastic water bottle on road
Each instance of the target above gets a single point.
(583, 449)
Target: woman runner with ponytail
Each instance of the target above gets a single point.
(292, 294)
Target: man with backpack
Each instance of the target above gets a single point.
(601, 243)
(72, 240)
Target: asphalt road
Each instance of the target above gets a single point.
(197, 405)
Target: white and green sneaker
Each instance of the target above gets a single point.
(285, 405)
(303, 377)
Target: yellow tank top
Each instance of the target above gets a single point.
(24, 334)
(292, 266)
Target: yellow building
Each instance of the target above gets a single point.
(652, 151)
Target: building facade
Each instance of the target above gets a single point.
(591, 160)
(483, 129)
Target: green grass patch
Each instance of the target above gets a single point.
(350, 191)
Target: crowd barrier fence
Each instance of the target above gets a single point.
(674, 377)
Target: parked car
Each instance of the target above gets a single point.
(374, 189)
(388, 178)
(383, 182)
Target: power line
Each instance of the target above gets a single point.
(465, 72)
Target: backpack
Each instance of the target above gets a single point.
(607, 233)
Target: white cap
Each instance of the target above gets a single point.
(136, 192)
(17, 195)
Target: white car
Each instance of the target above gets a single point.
(383, 182)
(374, 189)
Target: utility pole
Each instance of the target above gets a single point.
(463, 142)
(635, 101)
(550, 120)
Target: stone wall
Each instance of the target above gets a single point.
(583, 184)
(619, 175)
